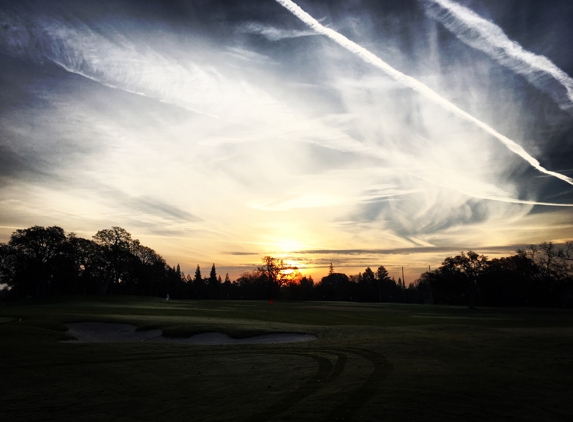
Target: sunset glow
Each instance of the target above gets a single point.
(362, 134)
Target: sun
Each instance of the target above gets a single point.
(291, 270)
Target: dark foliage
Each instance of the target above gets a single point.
(43, 261)
(541, 275)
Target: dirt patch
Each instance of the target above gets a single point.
(112, 332)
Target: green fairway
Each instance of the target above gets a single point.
(371, 362)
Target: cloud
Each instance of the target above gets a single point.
(417, 86)
(254, 147)
(272, 33)
(214, 91)
(238, 253)
(406, 251)
(318, 200)
(147, 205)
(486, 36)
(117, 62)
(15, 165)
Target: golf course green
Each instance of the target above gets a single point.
(370, 362)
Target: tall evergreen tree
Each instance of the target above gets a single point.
(386, 286)
(368, 286)
(213, 284)
(198, 290)
(213, 275)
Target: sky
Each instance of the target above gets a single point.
(357, 133)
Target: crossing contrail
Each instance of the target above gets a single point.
(486, 36)
(414, 84)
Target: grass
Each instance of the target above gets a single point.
(371, 362)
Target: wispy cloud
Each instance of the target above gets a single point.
(272, 33)
(117, 62)
(111, 60)
(417, 86)
(238, 253)
(406, 251)
(486, 36)
(211, 144)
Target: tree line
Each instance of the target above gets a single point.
(540, 275)
(44, 261)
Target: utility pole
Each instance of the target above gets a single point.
(403, 286)
(431, 294)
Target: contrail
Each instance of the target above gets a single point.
(486, 36)
(117, 62)
(492, 197)
(524, 202)
(414, 84)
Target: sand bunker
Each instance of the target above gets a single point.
(4, 320)
(104, 332)
(111, 332)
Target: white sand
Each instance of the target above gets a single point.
(104, 332)
(4, 320)
(112, 332)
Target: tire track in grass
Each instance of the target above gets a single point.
(346, 410)
(362, 395)
(312, 385)
(327, 373)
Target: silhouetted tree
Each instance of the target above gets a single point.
(117, 246)
(553, 285)
(274, 272)
(87, 264)
(151, 272)
(367, 286)
(508, 281)
(303, 289)
(41, 261)
(252, 286)
(30, 257)
(8, 265)
(226, 287)
(467, 268)
(198, 284)
(387, 289)
(335, 286)
(422, 290)
(213, 283)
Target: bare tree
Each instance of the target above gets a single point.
(276, 274)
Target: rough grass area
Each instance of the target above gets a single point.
(371, 362)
